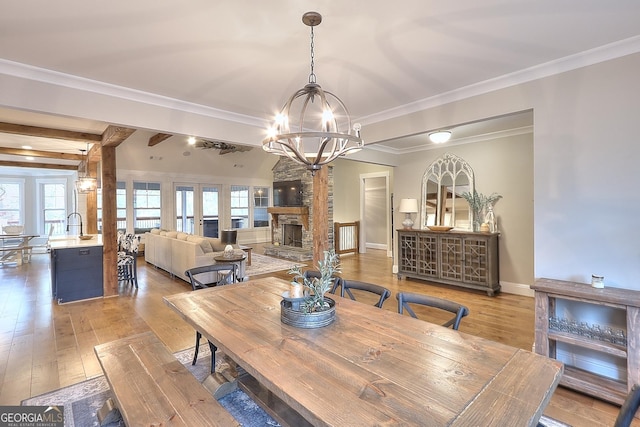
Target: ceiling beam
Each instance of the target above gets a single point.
(115, 135)
(37, 165)
(49, 133)
(158, 138)
(43, 154)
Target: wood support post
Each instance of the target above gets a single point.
(320, 214)
(109, 218)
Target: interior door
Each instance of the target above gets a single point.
(197, 207)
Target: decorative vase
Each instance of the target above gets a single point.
(290, 314)
(490, 220)
(477, 220)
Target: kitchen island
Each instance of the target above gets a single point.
(76, 268)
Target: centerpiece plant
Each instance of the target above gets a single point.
(315, 288)
(478, 202)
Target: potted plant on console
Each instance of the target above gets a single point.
(306, 305)
(478, 203)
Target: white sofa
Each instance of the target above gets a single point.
(176, 252)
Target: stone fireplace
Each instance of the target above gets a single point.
(300, 246)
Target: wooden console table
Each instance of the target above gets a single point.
(460, 258)
(547, 293)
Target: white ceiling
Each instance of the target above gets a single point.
(382, 58)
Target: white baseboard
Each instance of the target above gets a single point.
(376, 246)
(516, 289)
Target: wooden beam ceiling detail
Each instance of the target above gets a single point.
(37, 165)
(158, 138)
(43, 154)
(49, 133)
(115, 135)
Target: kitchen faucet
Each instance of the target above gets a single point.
(73, 214)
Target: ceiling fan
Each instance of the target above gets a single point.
(224, 147)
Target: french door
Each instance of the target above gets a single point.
(197, 207)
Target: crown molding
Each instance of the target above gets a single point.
(590, 57)
(428, 145)
(579, 60)
(56, 78)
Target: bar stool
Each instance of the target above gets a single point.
(128, 258)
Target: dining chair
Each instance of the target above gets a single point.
(208, 276)
(128, 258)
(348, 285)
(459, 310)
(629, 407)
(309, 274)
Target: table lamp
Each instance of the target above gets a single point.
(407, 207)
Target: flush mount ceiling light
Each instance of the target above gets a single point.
(85, 183)
(314, 127)
(440, 136)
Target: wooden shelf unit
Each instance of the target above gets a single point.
(547, 291)
(459, 258)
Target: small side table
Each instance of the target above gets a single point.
(235, 259)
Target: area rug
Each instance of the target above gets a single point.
(83, 400)
(262, 264)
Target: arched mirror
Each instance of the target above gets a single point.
(442, 186)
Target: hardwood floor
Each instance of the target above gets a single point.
(45, 346)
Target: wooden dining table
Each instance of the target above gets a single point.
(370, 366)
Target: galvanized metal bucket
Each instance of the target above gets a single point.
(299, 319)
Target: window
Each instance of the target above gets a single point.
(239, 206)
(146, 206)
(11, 203)
(54, 211)
(121, 206)
(260, 205)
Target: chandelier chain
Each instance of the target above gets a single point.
(312, 76)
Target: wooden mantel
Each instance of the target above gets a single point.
(303, 211)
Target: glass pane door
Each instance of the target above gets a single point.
(210, 204)
(197, 209)
(184, 209)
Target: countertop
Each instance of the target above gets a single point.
(63, 242)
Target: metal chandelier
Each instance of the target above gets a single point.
(314, 127)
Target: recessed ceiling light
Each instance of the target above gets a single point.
(191, 140)
(27, 147)
(440, 136)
